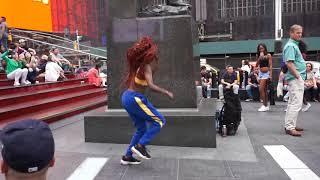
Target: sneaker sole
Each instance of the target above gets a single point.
(129, 163)
(263, 110)
(134, 150)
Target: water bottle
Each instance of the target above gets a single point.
(224, 131)
(208, 91)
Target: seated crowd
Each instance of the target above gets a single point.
(23, 65)
(247, 78)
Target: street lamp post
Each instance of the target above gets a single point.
(278, 26)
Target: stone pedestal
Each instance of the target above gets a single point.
(187, 127)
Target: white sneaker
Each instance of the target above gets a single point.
(221, 98)
(16, 84)
(304, 109)
(247, 100)
(268, 108)
(26, 83)
(286, 109)
(263, 108)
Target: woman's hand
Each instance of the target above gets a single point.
(170, 94)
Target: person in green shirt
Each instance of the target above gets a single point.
(295, 76)
(13, 68)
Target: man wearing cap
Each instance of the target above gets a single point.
(28, 150)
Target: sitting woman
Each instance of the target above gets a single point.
(13, 68)
(318, 92)
(310, 84)
(94, 76)
(283, 85)
(53, 72)
(28, 63)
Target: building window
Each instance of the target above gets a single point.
(240, 8)
(300, 6)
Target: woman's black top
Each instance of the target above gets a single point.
(264, 61)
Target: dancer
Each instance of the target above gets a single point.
(295, 76)
(142, 59)
(264, 63)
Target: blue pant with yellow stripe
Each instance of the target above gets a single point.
(145, 117)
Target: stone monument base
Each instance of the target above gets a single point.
(186, 127)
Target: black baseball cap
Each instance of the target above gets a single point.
(27, 145)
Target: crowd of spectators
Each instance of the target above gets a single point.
(247, 77)
(23, 64)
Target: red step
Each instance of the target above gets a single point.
(9, 99)
(35, 105)
(6, 82)
(41, 86)
(3, 76)
(63, 111)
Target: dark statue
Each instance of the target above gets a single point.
(166, 8)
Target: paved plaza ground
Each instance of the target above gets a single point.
(242, 157)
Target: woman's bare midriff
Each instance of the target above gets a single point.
(138, 88)
(264, 69)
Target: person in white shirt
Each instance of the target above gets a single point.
(245, 66)
(246, 70)
(53, 71)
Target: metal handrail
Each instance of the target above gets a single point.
(66, 48)
(61, 39)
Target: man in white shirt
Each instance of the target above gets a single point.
(59, 59)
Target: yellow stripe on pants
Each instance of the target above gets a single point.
(148, 111)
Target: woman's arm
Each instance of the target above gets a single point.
(33, 51)
(270, 65)
(152, 86)
(314, 83)
(258, 63)
(5, 56)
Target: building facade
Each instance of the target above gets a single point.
(255, 19)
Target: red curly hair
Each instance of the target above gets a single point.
(141, 53)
